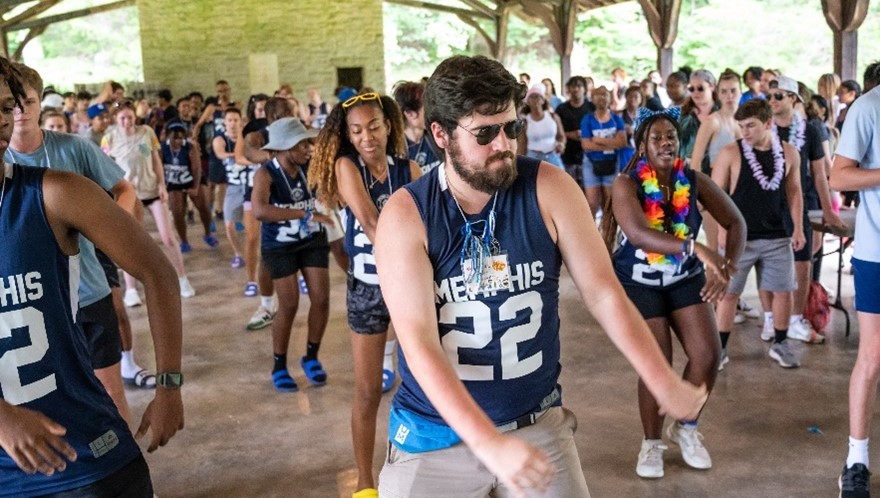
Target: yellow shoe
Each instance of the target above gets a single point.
(366, 493)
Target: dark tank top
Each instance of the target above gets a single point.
(765, 211)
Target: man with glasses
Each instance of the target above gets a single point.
(469, 259)
(792, 127)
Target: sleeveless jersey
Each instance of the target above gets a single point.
(422, 153)
(178, 170)
(44, 360)
(765, 211)
(288, 192)
(504, 345)
(362, 262)
(631, 263)
(236, 174)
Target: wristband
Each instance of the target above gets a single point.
(169, 380)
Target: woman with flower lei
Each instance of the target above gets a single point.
(670, 277)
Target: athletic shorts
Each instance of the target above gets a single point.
(654, 302)
(456, 471)
(216, 171)
(590, 178)
(867, 285)
(286, 261)
(109, 267)
(367, 313)
(773, 260)
(806, 253)
(233, 204)
(131, 481)
(100, 326)
(171, 187)
(147, 202)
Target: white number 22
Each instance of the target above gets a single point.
(14, 392)
(511, 366)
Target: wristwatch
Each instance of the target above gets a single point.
(169, 380)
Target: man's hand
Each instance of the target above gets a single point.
(164, 415)
(798, 240)
(33, 440)
(832, 220)
(519, 465)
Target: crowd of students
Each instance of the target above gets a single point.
(654, 164)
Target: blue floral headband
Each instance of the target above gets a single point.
(645, 114)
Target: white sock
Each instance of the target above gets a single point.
(266, 302)
(390, 346)
(768, 316)
(795, 318)
(129, 367)
(858, 452)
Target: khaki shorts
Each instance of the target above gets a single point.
(456, 471)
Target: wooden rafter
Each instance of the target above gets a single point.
(45, 21)
(440, 8)
(39, 8)
(32, 33)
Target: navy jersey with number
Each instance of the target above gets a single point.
(362, 262)
(631, 263)
(504, 345)
(44, 360)
(178, 170)
(288, 192)
(422, 153)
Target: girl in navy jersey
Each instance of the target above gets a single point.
(359, 162)
(183, 172)
(670, 277)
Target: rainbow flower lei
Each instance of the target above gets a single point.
(653, 207)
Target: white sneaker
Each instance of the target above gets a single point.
(745, 309)
(650, 464)
(738, 318)
(768, 333)
(262, 318)
(186, 289)
(801, 330)
(131, 298)
(689, 439)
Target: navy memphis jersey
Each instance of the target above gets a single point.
(362, 262)
(178, 170)
(44, 361)
(288, 192)
(631, 263)
(505, 345)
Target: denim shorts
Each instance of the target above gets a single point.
(550, 157)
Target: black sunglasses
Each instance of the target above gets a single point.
(778, 95)
(486, 134)
(692, 88)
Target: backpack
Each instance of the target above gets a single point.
(817, 310)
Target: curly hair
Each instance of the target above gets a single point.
(333, 142)
(608, 229)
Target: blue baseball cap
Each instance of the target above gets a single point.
(96, 110)
(347, 93)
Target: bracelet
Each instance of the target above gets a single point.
(692, 247)
(684, 248)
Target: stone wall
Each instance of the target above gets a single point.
(258, 44)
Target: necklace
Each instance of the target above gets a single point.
(655, 210)
(476, 248)
(758, 170)
(299, 174)
(371, 184)
(796, 132)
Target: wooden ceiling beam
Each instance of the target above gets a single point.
(441, 8)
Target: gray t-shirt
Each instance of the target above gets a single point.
(65, 152)
(860, 141)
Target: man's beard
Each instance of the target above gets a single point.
(483, 178)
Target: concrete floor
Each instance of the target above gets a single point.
(244, 439)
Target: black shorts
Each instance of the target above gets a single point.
(367, 313)
(147, 202)
(313, 253)
(216, 171)
(653, 302)
(131, 481)
(109, 267)
(171, 187)
(100, 325)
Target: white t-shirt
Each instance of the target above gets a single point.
(860, 141)
(134, 154)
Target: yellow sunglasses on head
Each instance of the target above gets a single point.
(365, 97)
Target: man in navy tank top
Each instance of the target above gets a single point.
(469, 260)
(60, 432)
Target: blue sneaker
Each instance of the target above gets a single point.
(250, 290)
(303, 288)
(237, 262)
(211, 241)
(185, 247)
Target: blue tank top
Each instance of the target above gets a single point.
(503, 345)
(178, 170)
(422, 153)
(288, 192)
(236, 174)
(44, 360)
(362, 262)
(631, 263)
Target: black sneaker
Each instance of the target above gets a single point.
(855, 482)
